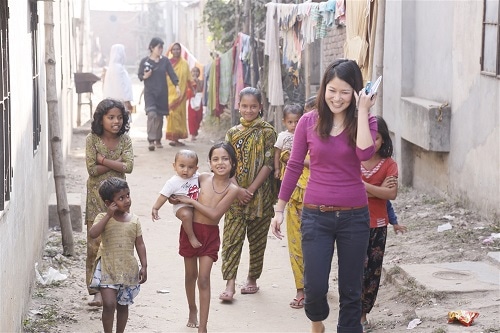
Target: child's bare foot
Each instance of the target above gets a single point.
(193, 318)
(97, 301)
(195, 243)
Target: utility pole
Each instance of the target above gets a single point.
(55, 134)
(169, 26)
(234, 112)
(247, 10)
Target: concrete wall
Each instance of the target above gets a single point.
(431, 67)
(192, 33)
(24, 221)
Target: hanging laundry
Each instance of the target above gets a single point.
(226, 78)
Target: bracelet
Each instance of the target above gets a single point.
(102, 161)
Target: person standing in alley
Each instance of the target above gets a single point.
(293, 212)
(253, 140)
(117, 274)
(217, 193)
(195, 105)
(116, 81)
(153, 70)
(380, 176)
(338, 136)
(176, 120)
(108, 153)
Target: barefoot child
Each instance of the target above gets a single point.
(116, 274)
(108, 153)
(217, 194)
(184, 183)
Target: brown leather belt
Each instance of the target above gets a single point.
(326, 208)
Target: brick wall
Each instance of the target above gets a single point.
(333, 45)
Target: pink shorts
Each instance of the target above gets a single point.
(208, 236)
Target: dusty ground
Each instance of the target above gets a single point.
(62, 307)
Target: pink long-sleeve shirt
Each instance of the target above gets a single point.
(334, 164)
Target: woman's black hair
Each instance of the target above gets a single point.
(348, 71)
(102, 109)
(232, 155)
(386, 149)
(254, 92)
(109, 187)
(155, 41)
(295, 109)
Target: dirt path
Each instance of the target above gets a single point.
(161, 305)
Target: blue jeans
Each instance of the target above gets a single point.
(350, 229)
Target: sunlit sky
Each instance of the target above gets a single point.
(113, 4)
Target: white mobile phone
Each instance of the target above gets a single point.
(374, 87)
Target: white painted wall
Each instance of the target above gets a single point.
(432, 51)
(193, 34)
(24, 222)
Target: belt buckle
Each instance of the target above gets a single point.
(322, 208)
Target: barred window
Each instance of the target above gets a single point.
(37, 127)
(5, 116)
(490, 58)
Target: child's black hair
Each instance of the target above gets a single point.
(232, 154)
(310, 103)
(386, 148)
(295, 109)
(102, 109)
(109, 187)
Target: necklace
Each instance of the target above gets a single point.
(224, 190)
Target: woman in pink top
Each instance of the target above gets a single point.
(338, 136)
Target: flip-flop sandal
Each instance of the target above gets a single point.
(226, 296)
(297, 303)
(249, 290)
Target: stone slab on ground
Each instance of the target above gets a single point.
(464, 276)
(495, 256)
(75, 211)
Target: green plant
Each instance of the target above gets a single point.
(43, 322)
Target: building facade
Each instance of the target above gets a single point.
(25, 163)
(441, 97)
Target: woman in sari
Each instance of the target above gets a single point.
(176, 119)
(250, 215)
